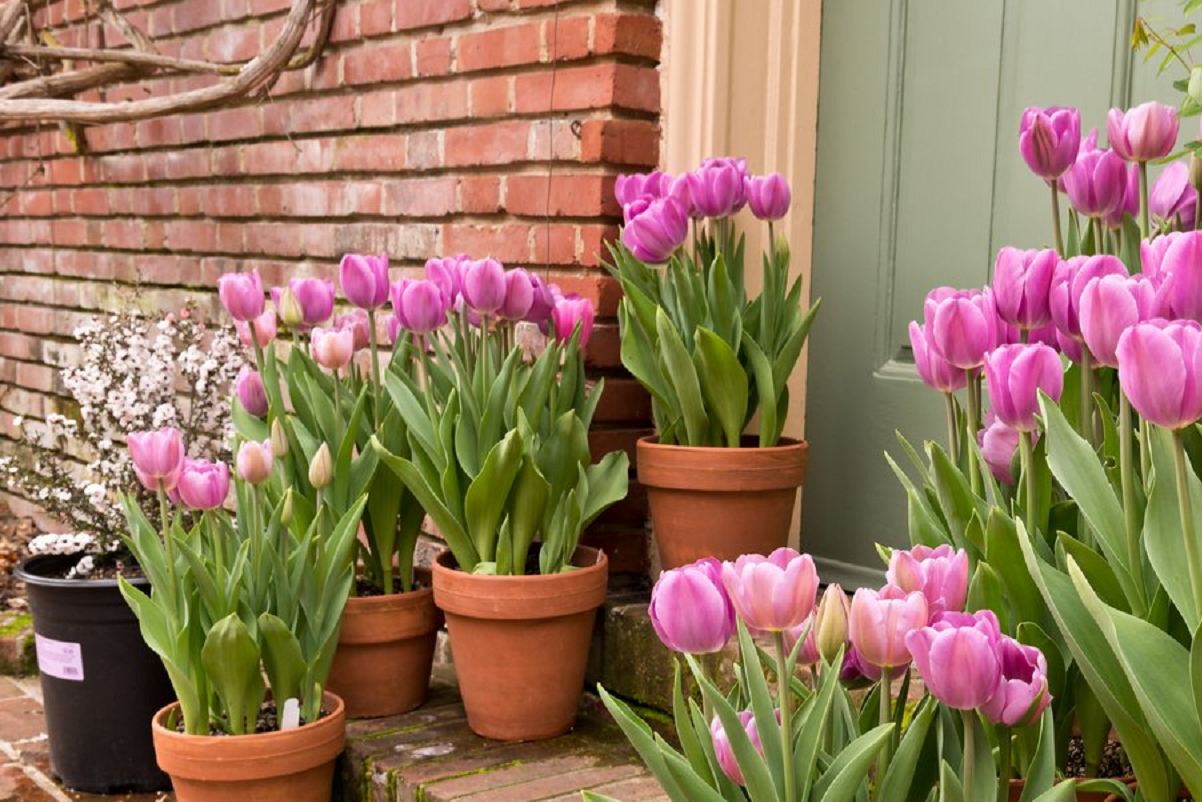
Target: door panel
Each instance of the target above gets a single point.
(919, 182)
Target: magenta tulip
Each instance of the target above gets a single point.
(254, 461)
(722, 747)
(262, 330)
(768, 196)
(158, 457)
(632, 186)
(1172, 199)
(484, 285)
(962, 325)
(957, 658)
(1049, 139)
(519, 295)
(1021, 281)
(250, 392)
(1015, 375)
(856, 672)
(940, 574)
(998, 442)
(570, 311)
(1152, 253)
(1182, 266)
(808, 654)
(242, 295)
(690, 610)
(422, 309)
(1064, 297)
(447, 274)
(1023, 694)
(364, 279)
(717, 189)
(881, 620)
(1096, 183)
(542, 302)
(1129, 205)
(773, 593)
(1160, 370)
(1144, 133)
(333, 348)
(203, 485)
(315, 296)
(933, 369)
(393, 326)
(655, 234)
(358, 324)
(1109, 306)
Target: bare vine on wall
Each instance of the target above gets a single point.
(40, 80)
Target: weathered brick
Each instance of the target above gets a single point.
(499, 47)
(491, 96)
(410, 14)
(564, 195)
(496, 143)
(480, 194)
(372, 64)
(433, 56)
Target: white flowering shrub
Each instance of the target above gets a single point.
(135, 373)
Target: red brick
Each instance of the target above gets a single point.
(190, 16)
(259, 8)
(505, 242)
(634, 142)
(153, 201)
(235, 44)
(498, 143)
(89, 202)
(64, 171)
(569, 39)
(427, 197)
(230, 200)
(592, 87)
(569, 196)
(190, 235)
(490, 96)
(368, 64)
(623, 400)
(323, 114)
(410, 14)
(423, 150)
(499, 47)
(602, 290)
(493, 5)
(628, 34)
(123, 234)
(241, 123)
(374, 153)
(375, 17)
(428, 102)
(433, 57)
(480, 194)
(593, 248)
(377, 109)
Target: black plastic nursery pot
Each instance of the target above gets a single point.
(101, 684)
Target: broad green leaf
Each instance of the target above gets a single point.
(690, 739)
(949, 785)
(849, 769)
(231, 662)
(678, 366)
(530, 494)
(283, 661)
(1061, 792)
(1162, 527)
(1099, 572)
(1195, 670)
(765, 387)
(608, 482)
(900, 777)
(1041, 773)
(724, 384)
(641, 738)
(759, 781)
(1004, 554)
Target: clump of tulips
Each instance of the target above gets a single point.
(1088, 542)
(709, 356)
(807, 743)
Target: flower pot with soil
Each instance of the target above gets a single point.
(711, 359)
(499, 459)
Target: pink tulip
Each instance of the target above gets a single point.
(484, 285)
(394, 328)
(1096, 183)
(768, 196)
(808, 655)
(717, 188)
(314, 295)
(933, 369)
(364, 279)
(998, 442)
(962, 325)
(357, 323)
(1144, 133)
(1129, 205)
(1023, 694)
(1069, 281)
(722, 747)
(940, 574)
(203, 485)
(880, 621)
(254, 461)
(1172, 199)
(1182, 266)
(1021, 281)
(263, 327)
(333, 348)
(773, 593)
(957, 658)
(856, 672)
(1015, 375)
(250, 392)
(158, 457)
(543, 301)
(690, 610)
(570, 311)
(1160, 370)
(1152, 253)
(632, 186)
(422, 310)
(241, 295)
(519, 295)
(1049, 140)
(1109, 306)
(654, 234)
(447, 274)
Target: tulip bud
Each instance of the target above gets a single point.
(830, 622)
(321, 469)
(291, 312)
(279, 439)
(1195, 171)
(286, 510)
(255, 461)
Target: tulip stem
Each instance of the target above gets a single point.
(886, 696)
(783, 694)
(165, 519)
(1058, 238)
(1087, 395)
(967, 765)
(973, 424)
(1028, 459)
(1135, 558)
(952, 428)
(377, 401)
(1185, 503)
(1144, 227)
(337, 413)
(1003, 786)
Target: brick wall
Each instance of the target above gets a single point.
(427, 127)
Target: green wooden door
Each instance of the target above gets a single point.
(919, 182)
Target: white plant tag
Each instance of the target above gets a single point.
(58, 658)
(290, 718)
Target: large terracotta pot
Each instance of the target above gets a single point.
(1016, 791)
(385, 652)
(520, 643)
(720, 502)
(292, 766)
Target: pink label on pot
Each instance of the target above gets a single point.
(59, 658)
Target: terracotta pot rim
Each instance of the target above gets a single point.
(651, 441)
(527, 597)
(388, 601)
(236, 757)
(705, 469)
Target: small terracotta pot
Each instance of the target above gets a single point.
(520, 643)
(385, 652)
(720, 502)
(1017, 786)
(292, 766)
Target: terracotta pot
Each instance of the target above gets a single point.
(1016, 791)
(385, 652)
(520, 644)
(292, 766)
(720, 502)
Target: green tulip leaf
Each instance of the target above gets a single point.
(723, 382)
(765, 388)
(643, 741)
(1195, 670)
(530, 495)
(678, 366)
(849, 769)
(950, 789)
(231, 661)
(899, 780)
(283, 661)
(1061, 792)
(1162, 527)
(1041, 773)
(484, 503)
